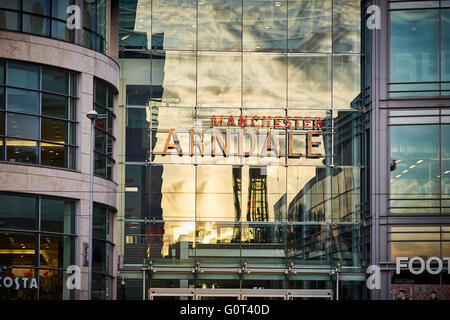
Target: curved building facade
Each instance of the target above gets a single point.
(51, 76)
(240, 149)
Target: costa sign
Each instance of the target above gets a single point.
(224, 131)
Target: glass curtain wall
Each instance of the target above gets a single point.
(185, 62)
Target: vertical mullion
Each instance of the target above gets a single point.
(38, 249)
(5, 140)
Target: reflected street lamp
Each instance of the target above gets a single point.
(92, 115)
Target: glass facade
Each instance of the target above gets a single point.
(102, 254)
(286, 191)
(37, 241)
(417, 142)
(38, 115)
(104, 105)
(48, 18)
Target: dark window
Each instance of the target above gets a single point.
(104, 139)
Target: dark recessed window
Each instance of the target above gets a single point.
(37, 115)
(104, 139)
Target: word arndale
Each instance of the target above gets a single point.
(225, 133)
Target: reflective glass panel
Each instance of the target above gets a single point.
(175, 75)
(18, 212)
(57, 215)
(40, 7)
(54, 105)
(219, 80)
(346, 81)
(36, 25)
(265, 25)
(346, 26)
(309, 81)
(415, 249)
(55, 81)
(21, 126)
(414, 46)
(2, 72)
(23, 101)
(171, 16)
(309, 27)
(23, 76)
(219, 25)
(264, 83)
(414, 164)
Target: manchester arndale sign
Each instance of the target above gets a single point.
(224, 132)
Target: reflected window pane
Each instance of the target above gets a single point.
(307, 242)
(309, 27)
(18, 212)
(137, 133)
(175, 74)
(414, 165)
(59, 8)
(445, 164)
(10, 4)
(265, 23)
(55, 81)
(264, 81)
(57, 215)
(54, 130)
(23, 101)
(21, 126)
(171, 16)
(41, 7)
(100, 165)
(36, 25)
(100, 224)
(263, 194)
(219, 25)
(309, 82)
(2, 124)
(445, 46)
(424, 250)
(23, 76)
(414, 46)
(346, 26)
(219, 80)
(100, 93)
(218, 196)
(346, 81)
(2, 72)
(54, 105)
(2, 98)
(22, 151)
